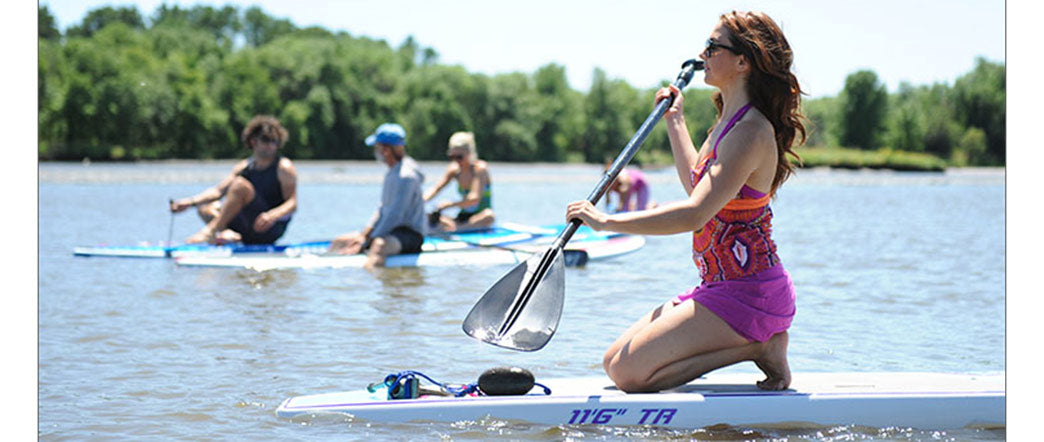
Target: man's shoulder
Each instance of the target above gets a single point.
(409, 167)
(286, 172)
(240, 165)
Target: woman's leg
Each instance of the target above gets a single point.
(482, 219)
(675, 344)
(447, 224)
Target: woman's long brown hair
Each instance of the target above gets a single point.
(773, 88)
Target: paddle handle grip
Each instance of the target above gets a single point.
(628, 152)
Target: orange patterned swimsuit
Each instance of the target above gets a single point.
(743, 280)
(737, 241)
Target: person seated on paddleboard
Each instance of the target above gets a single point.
(473, 185)
(631, 191)
(743, 308)
(260, 195)
(398, 224)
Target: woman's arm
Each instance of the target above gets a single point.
(740, 154)
(682, 147)
(451, 171)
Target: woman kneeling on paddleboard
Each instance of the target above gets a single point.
(743, 308)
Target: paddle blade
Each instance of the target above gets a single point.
(522, 309)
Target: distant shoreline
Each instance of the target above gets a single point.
(369, 172)
(811, 157)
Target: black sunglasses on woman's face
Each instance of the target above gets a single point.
(713, 46)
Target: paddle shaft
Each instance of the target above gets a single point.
(170, 230)
(575, 258)
(628, 152)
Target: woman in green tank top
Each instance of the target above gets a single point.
(473, 185)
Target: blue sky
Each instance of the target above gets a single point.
(644, 42)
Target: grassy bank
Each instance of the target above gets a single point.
(842, 158)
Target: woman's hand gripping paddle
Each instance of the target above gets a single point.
(522, 309)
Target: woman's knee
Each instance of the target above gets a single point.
(628, 377)
(629, 381)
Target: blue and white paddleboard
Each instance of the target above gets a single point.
(155, 250)
(918, 400)
(456, 241)
(596, 248)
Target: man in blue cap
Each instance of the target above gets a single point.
(398, 224)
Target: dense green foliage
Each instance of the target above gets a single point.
(864, 100)
(184, 82)
(963, 124)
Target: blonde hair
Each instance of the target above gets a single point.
(465, 141)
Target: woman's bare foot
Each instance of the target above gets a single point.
(773, 361)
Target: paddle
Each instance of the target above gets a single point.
(522, 309)
(572, 258)
(170, 231)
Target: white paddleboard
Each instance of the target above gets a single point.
(918, 400)
(464, 257)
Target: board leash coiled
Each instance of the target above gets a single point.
(406, 384)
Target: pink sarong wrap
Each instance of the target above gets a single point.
(756, 306)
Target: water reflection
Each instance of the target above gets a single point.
(400, 292)
(209, 278)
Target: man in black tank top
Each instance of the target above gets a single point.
(260, 195)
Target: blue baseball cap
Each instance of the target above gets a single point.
(388, 133)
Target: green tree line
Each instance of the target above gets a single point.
(184, 82)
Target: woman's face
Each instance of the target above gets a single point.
(458, 155)
(721, 62)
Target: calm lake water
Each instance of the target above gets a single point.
(894, 272)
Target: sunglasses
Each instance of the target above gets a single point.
(456, 156)
(267, 139)
(713, 46)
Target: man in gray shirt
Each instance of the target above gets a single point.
(398, 224)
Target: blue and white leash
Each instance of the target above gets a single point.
(392, 380)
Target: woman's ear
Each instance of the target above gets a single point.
(743, 64)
